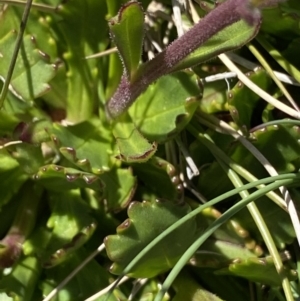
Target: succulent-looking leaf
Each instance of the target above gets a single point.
(214, 98)
(127, 31)
(32, 72)
(146, 221)
(260, 270)
(89, 145)
(232, 37)
(228, 243)
(166, 107)
(59, 178)
(133, 147)
(242, 101)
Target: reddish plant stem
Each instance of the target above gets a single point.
(222, 16)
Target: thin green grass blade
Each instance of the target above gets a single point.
(214, 226)
(282, 178)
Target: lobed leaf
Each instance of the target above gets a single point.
(229, 242)
(147, 220)
(32, 72)
(160, 177)
(260, 270)
(133, 147)
(170, 103)
(29, 156)
(119, 190)
(89, 145)
(59, 178)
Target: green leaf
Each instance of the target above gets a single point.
(280, 144)
(82, 285)
(159, 176)
(22, 281)
(242, 101)
(277, 220)
(128, 33)
(214, 98)
(7, 122)
(22, 225)
(229, 242)
(133, 147)
(29, 156)
(166, 107)
(260, 270)
(119, 190)
(231, 37)
(59, 178)
(286, 25)
(72, 225)
(81, 27)
(32, 72)
(89, 145)
(147, 220)
(37, 27)
(11, 176)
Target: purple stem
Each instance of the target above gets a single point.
(222, 16)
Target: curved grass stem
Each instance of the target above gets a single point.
(282, 180)
(236, 167)
(266, 164)
(262, 227)
(211, 229)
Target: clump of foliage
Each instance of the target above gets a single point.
(139, 161)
